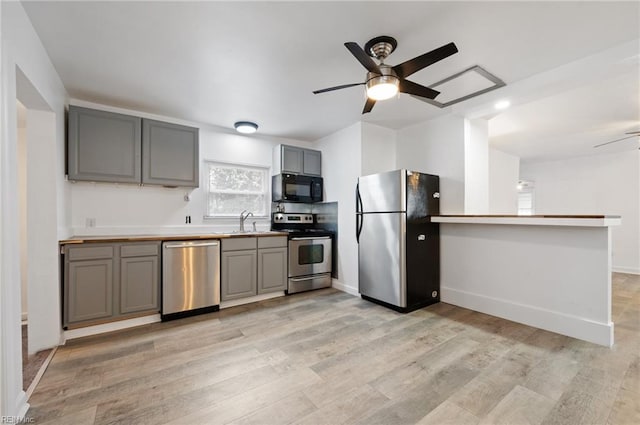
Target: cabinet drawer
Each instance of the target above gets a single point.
(272, 242)
(139, 250)
(89, 252)
(236, 244)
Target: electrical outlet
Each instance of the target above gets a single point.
(90, 222)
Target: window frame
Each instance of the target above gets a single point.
(208, 163)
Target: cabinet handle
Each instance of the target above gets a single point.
(192, 245)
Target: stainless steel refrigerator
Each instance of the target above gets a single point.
(398, 245)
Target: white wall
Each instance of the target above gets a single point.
(601, 184)
(504, 173)
(341, 167)
(378, 149)
(23, 54)
(131, 209)
(22, 196)
(437, 147)
(476, 166)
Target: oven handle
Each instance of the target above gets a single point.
(311, 238)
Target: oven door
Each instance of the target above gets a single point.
(309, 255)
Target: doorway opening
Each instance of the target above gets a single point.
(37, 225)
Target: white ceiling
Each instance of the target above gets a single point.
(220, 62)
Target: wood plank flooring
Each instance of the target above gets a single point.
(326, 357)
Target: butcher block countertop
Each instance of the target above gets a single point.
(533, 220)
(187, 237)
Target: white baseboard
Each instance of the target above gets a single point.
(335, 283)
(21, 408)
(564, 324)
(626, 270)
(110, 327)
(43, 368)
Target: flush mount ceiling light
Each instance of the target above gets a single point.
(246, 127)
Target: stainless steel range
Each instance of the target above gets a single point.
(309, 251)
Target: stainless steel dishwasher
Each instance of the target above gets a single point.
(190, 278)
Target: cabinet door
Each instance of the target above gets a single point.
(103, 146)
(272, 270)
(292, 159)
(139, 284)
(89, 290)
(170, 155)
(238, 274)
(312, 162)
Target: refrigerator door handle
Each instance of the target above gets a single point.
(359, 216)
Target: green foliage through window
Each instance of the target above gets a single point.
(233, 188)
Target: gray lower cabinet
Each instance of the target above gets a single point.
(170, 154)
(272, 270)
(90, 290)
(138, 284)
(252, 266)
(238, 274)
(105, 282)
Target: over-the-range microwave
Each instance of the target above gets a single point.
(296, 188)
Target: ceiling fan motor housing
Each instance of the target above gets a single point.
(380, 47)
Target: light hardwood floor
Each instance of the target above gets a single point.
(326, 357)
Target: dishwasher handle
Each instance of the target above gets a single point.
(191, 244)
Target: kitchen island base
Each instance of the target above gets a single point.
(553, 273)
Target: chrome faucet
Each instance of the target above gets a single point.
(243, 217)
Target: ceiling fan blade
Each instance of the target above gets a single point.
(415, 89)
(416, 64)
(368, 106)
(362, 57)
(344, 86)
(635, 133)
(614, 141)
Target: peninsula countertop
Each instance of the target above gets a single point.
(533, 220)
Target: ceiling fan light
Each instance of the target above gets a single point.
(245, 127)
(382, 87)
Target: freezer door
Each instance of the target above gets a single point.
(383, 192)
(381, 255)
(423, 196)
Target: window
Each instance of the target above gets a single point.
(525, 198)
(232, 188)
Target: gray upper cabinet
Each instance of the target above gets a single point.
(296, 160)
(292, 160)
(170, 155)
(103, 146)
(109, 147)
(312, 162)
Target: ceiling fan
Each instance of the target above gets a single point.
(384, 81)
(631, 134)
